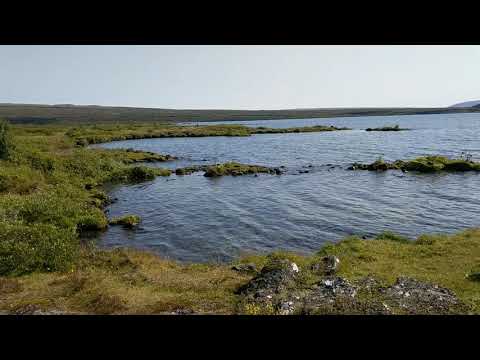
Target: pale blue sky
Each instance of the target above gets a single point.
(240, 77)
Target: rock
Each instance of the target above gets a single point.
(183, 312)
(370, 284)
(416, 297)
(274, 279)
(327, 265)
(335, 286)
(246, 268)
(326, 293)
(286, 308)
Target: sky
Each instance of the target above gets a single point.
(240, 77)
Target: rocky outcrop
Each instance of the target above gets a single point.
(281, 289)
(416, 297)
(326, 266)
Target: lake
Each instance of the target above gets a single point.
(197, 219)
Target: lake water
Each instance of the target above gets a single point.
(193, 218)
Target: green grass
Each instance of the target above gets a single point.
(233, 168)
(85, 135)
(5, 144)
(128, 221)
(134, 282)
(50, 192)
(424, 164)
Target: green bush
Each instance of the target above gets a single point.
(128, 221)
(5, 143)
(37, 247)
(19, 179)
(94, 220)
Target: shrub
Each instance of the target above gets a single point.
(19, 179)
(425, 240)
(473, 276)
(5, 143)
(95, 220)
(128, 221)
(37, 247)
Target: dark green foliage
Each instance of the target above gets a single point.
(387, 128)
(140, 173)
(128, 221)
(474, 276)
(426, 164)
(5, 142)
(235, 169)
(388, 235)
(35, 247)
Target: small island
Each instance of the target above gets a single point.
(228, 169)
(387, 128)
(423, 164)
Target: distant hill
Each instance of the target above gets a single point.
(83, 114)
(466, 104)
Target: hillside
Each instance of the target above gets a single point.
(66, 113)
(467, 104)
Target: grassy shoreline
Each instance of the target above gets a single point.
(51, 191)
(96, 134)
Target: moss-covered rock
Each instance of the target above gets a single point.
(236, 169)
(424, 164)
(128, 221)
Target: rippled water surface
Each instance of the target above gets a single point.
(193, 218)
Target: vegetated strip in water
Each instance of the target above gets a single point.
(422, 164)
(93, 135)
(230, 168)
(387, 128)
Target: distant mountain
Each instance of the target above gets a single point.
(466, 104)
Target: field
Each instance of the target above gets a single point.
(51, 192)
